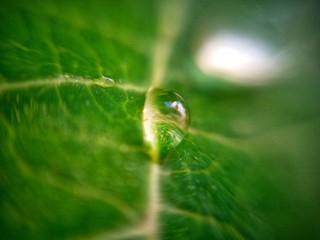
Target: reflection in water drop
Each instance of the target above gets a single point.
(165, 120)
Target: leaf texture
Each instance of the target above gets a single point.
(74, 162)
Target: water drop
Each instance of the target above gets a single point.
(104, 81)
(165, 119)
(107, 79)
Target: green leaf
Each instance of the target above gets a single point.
(75, 162)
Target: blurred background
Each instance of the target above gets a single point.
(269, 51)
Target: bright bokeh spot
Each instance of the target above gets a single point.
(240, 59)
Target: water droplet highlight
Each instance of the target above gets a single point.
(166, 120)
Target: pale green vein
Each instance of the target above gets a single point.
(55, 50)
(204, 218)
(134, 88)
(100, 140)
(122, 233)
(94, 54)
(98, 105)
(149, 227)
(170, 13)
(67, 186)
(213, 165)
(226, 141)
(60, 101)
(86, 191)
(194, 215)
(23, 167)
(151, 224)
(85, 136)
(74, 188)
(64, 79)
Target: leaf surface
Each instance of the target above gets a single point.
(74, 162)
